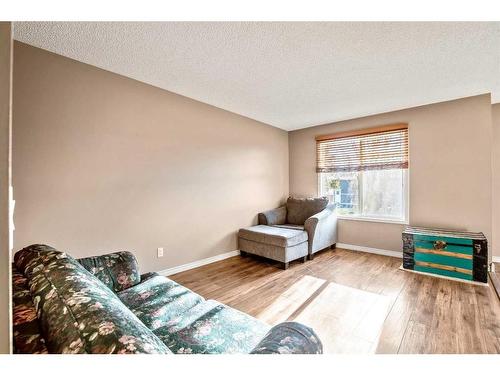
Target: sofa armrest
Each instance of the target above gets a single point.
(27, 335)
(273, 217)
(289, 338)
(322, 229)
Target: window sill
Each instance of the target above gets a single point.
(373, 219)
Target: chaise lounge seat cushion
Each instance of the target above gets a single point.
(290, 226)
(274, 235)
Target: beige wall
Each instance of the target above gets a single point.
(450, 169)
(5, 175)
(496, 179)
(102, 162)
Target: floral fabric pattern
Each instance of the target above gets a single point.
(158, 300)
(61, 307)
(118, 271)
(289, 338)
(148, 275)
(27, 337)
(76, 312)
(187, 323)
(212, 327)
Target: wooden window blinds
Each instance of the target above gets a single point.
(383, 147)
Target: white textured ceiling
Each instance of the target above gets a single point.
(290, 75)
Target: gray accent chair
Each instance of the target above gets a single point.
(297, 230)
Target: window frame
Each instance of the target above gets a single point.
(406, 178)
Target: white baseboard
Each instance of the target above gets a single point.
(198, 263)
(390, 253)
(202, 262)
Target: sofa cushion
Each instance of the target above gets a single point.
(300, 209)
(77, 313)
(283, 237)
(158, 300)
(211, 327)
(118, 271)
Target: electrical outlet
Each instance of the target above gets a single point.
(160, 252)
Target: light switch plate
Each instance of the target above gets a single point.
(160, 252)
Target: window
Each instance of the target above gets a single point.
(365, 172)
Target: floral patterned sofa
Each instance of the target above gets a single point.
(103, 304)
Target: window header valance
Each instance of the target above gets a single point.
(383, 147)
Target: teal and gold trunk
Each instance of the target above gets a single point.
(461, 255)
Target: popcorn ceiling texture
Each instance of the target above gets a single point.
(290, 75)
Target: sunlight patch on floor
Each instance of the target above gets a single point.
(290, 300)
(347, 320)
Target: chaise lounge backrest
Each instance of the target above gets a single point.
(77, 313)
(295, 212)
(298, 210)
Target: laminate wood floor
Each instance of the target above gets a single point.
(358, 302)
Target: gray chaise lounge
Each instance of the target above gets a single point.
(297, 230)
